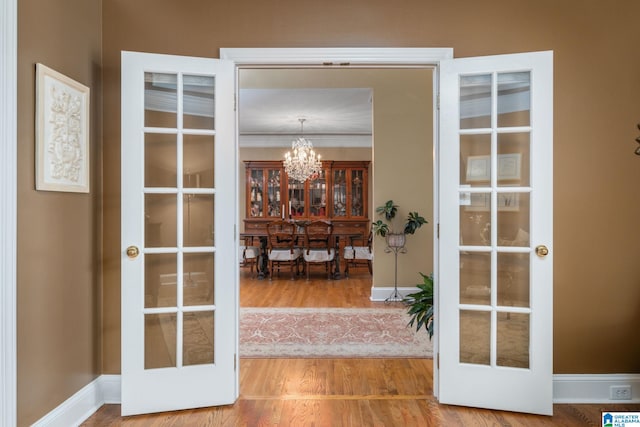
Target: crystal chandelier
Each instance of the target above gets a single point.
(303, 163)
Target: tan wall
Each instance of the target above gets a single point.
(59, 234)
(597, 276)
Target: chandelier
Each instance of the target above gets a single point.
(303, 163)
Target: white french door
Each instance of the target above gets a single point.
(494, 202)
(179, 302)
(495, 258)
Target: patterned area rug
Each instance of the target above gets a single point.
(330, 332)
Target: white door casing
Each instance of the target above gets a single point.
(495, 292)
(179, 211)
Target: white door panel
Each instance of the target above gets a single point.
(179, 302)
(495, 189)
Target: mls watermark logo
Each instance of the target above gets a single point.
(621, 419)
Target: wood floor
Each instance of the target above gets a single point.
(339, 392)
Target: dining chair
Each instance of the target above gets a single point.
(249, 254)
(281, 247)
(359, 252)
(319, 246)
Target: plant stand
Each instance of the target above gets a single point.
(395, 244)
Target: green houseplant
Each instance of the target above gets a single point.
(385, 228)
(420, 305)
(395, 239)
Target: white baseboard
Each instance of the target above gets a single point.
(574, 389)
(77, 408)
(382, 293)
(585, 388)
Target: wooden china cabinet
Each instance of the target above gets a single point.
(338, 194)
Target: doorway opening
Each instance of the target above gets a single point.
(400, 136)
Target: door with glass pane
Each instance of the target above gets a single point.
(178, 214)
(495, 276)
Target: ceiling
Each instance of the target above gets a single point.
(334, 117)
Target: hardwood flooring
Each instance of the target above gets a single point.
(339, 392)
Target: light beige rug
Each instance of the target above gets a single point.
(330, 332)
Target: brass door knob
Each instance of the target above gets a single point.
(542, 251)
(133, 251)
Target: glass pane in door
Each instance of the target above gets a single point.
(159, 340)
(160, 100)
(198, 346)
(475, 160)
(198, 279)
(475, 337)
(198, 158)
(160, 280)
(475, 278)
(513, 340)
(198, 99)
(513, 159)
(475, 101)
(198, 219)
(160, 220)
(514, 99)
(160, 168)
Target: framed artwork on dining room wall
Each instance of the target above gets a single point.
(62, 132)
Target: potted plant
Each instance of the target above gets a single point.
(395, 238)
(420, 305)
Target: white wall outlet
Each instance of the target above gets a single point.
(620, 392)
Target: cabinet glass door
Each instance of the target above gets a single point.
(255, 194)
(274, 207)
(318, 195)
(339, 192)
(356, 197)
(296, 199)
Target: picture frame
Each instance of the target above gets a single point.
(62, 132)
(479, 167)
(481, 202)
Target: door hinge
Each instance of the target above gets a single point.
(438, 101)
(235, 102)
(235, 362)
(437, 360)
(438, 231)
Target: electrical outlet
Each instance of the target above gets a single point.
(620, 392)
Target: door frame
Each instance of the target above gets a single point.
(353, 58)
(8, 209)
